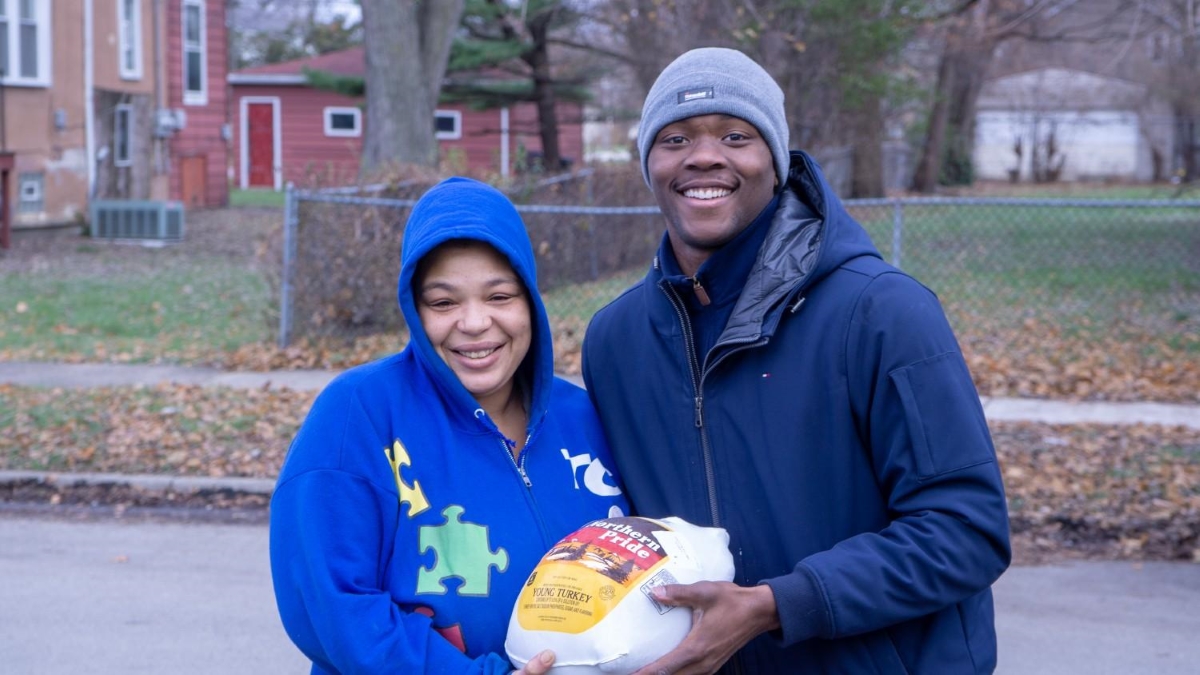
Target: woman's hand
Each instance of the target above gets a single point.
(538, 665)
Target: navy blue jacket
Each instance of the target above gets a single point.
(834, 431)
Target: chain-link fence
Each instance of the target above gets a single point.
(1007, 270)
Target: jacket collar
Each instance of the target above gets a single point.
(809, 236)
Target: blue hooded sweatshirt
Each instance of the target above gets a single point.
(402, 528)
(833, 429)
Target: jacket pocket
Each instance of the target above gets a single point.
(943, 415)
(883, 654)
(866, 654)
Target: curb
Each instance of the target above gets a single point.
(147, 482)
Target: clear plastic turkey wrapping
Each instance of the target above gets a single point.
(589, 599)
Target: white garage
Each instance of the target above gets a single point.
(1069, 125)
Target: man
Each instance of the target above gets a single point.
(772, 375)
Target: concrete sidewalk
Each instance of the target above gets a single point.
(103, 375)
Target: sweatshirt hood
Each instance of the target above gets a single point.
(463, 208)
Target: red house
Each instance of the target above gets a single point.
(110, 100)
(195, 72)
(285, 130)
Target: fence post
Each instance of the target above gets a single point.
(289, 243)
(593, 254)
(897, 230)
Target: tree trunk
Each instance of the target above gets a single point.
(407, 44)
(866, 179)
(1186, 139)
(950, 137)
(543, 92)
(925, 177)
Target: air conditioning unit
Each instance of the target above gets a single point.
(128, 219)
(167, 121)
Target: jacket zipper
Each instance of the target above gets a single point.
(520, 467)
(710, 478)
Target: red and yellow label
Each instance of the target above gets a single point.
(587, 574)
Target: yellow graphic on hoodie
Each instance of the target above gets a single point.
(397, 456)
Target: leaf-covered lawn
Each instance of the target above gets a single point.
(1092, 490)
(167, 429)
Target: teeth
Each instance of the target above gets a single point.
(706, 193)
(478, 354)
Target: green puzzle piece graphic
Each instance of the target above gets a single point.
(462, 551)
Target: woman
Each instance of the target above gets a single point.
(423, 488)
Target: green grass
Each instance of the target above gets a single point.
(575, 304)
(1083, 269)
(191, 311)
(1087, 269)
(257, 197)
(1093, 261)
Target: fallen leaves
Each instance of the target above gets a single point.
(1032, 361)
(173, 429)
(1091, 490)
(1122, 492)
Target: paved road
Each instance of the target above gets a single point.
(109, 596)
(106, 597)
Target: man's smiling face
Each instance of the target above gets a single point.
(711, 176)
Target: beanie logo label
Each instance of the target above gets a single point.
(695, 94)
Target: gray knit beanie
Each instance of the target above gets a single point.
(713, 80)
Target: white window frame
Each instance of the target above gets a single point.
(12, 24)
(448, 135)
(343, 133)
(129, 38)
(31, 197)
(191, 97)
(124, 110)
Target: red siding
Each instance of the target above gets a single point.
(312, 159)
(202, 134)
(309, 157)
(523, 122)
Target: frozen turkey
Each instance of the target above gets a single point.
(589, 598)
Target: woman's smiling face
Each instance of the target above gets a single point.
(477, 315)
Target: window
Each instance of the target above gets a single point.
(30, 199)
(25, 42)
(343, 122)
(447, 125)
(123, 135)
(195, 52)
(129, 41)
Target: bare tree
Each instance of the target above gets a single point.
(973, 32)
(649, 34)
(969, 45)
(1177, 23)
(516, 39)
(407, 49)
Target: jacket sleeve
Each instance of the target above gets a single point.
(947, 537)
(331, 536)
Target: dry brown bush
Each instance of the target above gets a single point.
(346, 254)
